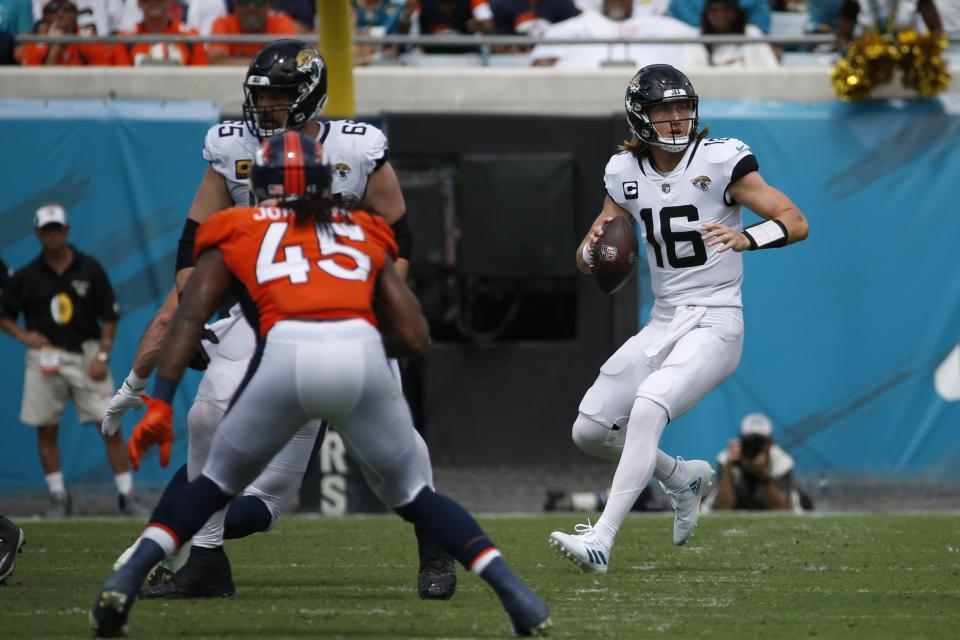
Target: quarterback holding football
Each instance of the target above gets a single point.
(685, 191)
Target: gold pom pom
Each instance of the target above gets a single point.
(872, 58)
(921, 62)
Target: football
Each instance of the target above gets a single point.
(615, 256)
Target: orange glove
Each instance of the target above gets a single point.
(156, 427)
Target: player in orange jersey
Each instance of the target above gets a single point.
(318, 281)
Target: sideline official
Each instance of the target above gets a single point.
(71, 319)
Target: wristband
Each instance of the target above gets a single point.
(135, 382)
(587, 255)
(768, 234)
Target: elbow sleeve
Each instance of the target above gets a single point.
(185, 246)
(404, 237)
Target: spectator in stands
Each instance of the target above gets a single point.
(16, 17)
(380, 18)
(60, 18)
(455, 16)
(618, 21)
(857, 16)
(656, 7)
(530, 16)
(383, 17)
(823, 15)
(303, 13)
(156, 19)
(690, 11)
(247, 17)
(201, 14)
(101, 17)
(728, 17)
(71, 320)
(755, 473)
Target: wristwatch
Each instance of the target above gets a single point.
(102, 356)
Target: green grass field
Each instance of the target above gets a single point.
(843, 576)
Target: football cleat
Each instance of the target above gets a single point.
(108, 618)
(686, 501)
(12, 540)
(61, 505)
(528, 613)
(205, 575)
(582, 548)
(437, 578)
(131, 505)
(160, 574)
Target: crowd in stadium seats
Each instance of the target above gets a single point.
(546, 18)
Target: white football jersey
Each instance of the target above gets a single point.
(354, 150)
(670, 210)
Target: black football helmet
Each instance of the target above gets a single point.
(289, 166)
(659, 84)
(294, 69)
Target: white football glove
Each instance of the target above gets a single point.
(127, 397)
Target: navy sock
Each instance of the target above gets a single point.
(449, 524)
(499, 576)
(147, 554)
(183, 509)
(246, 515)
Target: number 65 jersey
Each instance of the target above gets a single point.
(354, 150)
(670, 211)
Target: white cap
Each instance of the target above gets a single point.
(756, 424)
(50, 214)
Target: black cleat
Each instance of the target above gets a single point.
(437, 579)
(11, 543)
(108, 618)
(131, 505)
(205, 575)
(528, 613)
(160, 574)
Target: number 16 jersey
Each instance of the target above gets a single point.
(670, 211)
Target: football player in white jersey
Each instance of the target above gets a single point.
(685, 191)
(285, 85)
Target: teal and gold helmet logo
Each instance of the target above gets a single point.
(701, 182)
(61, 309)
(341, 170)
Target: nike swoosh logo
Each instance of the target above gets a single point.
(4, 558)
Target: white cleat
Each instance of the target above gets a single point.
(686, 501)
(582, 548)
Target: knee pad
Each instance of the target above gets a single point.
(593, 438)
(202, 421)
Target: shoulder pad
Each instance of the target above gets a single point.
(226, 143)
(719, 150)
(619, 162)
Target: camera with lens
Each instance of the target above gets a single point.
(752, 445)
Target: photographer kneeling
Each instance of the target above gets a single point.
(755, 473)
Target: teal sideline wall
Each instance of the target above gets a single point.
(126, 171)
(843, 331)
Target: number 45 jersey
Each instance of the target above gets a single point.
(670, 211)
(303, 271)
(354, 150)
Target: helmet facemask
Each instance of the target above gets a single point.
(644, 127)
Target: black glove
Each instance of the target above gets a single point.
(200, 359)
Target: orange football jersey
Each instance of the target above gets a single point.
(300, 272)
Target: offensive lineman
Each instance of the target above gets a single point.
(685, 190)
(285, 85)
(327, 305)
